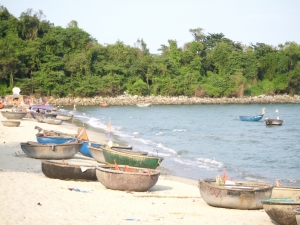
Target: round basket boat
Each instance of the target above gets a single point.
(14, 115)
(11, 123)
(297, 212)
(127, 178)
(281, 210)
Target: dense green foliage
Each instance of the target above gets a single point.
(44, 59)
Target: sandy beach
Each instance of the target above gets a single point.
(27, 196)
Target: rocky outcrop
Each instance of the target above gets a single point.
(180, 100)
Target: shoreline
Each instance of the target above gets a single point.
(28, 197)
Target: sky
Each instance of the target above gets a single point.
(271, 22)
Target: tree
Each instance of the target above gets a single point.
(29, 24)
(73, 24)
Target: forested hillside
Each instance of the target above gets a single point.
(48, 60)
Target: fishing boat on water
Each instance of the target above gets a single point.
(254, 118)
(144, 104)
(251, 118)
(104, 104)
(270, 121)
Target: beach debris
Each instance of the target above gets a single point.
(131, 219)
(77, 190)
(19, 154)
(39, 204)
(165, 196)
(100, 217)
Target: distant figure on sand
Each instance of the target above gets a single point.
(74, 109)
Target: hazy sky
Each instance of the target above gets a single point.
(271, 22)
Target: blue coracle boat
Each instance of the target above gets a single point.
(61, 140)
(251, 118)
(84, 150)
(53, 139)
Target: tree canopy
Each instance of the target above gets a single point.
(43, 59)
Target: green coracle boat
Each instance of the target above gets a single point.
(126, 158)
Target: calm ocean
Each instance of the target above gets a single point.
(201, 141)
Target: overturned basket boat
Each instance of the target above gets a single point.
(50, 151)
(241, 195)
(127, 178)
(68, 170)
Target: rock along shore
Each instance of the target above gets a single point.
(180, 100)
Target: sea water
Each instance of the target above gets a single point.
(203, 141)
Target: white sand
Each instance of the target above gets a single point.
(28, 197)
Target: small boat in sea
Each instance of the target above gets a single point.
(144, 104)
(127, 178)
(50, 151)
(104, 104)
(270, 121)
(128, 158)
(13, 115)
(235, 195)
(70, 170)
(53, 139)
(11, 123)
(251, 118)
(281, 210)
